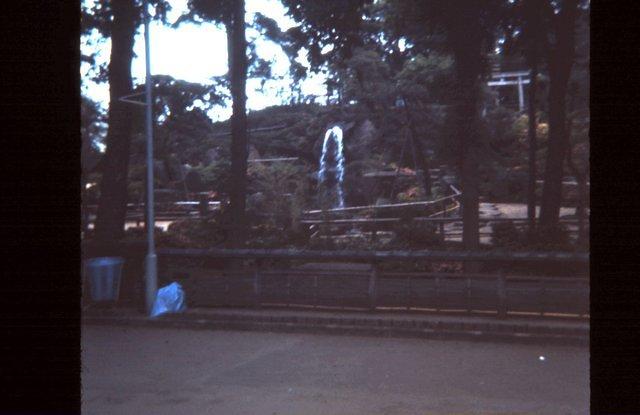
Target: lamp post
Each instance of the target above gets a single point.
(151, 260)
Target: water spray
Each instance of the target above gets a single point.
(333, 134)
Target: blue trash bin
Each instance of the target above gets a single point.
(104, 277)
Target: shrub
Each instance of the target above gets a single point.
(506, 235)
(411, 234)
(505, 186)
(215, 176)
(186, 233)
(552, 239)
(410, 195)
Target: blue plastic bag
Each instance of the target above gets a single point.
(170, 299)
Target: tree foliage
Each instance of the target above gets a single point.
(413, 72)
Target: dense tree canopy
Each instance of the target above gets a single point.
(406, 79)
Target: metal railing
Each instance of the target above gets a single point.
(440, 222)
(378, 285)
(446, 205)
(376, 208)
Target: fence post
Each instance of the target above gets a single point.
(315, 291)
(256, 284)
(374, 233)
(469, 295)
(502, 295)
(372, 286)
(437, 301)
(541, 295)
(408, 293)
(288, 289)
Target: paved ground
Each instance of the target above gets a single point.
(167, 371)
(535, 322)
(502, 210)
(519, 210)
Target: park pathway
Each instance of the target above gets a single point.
(490, 210)
(128, 370)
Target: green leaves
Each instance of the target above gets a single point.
(324, 23)
(100, 15)
(92, 130)
(218, 11)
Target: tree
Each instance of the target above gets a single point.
(424, 84)
(330, 32)
(549, 43)
(578, 163)
(239, 142)
(466, 29)
(113, 187)
(464, 33)
(578, 118)
(91, 131)
(359, 44)
(117, 20)
(182, 132)
(231, 14)
(560, 60)
(532, 33)
(179, 124)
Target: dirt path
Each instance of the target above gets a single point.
(167, 371)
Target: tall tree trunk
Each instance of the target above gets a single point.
(112, 206)
(239, 143)
(581, 178)
(533, 147)
(560, 63)
(465, 32)
(533, 32)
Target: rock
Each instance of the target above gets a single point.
(360, 141)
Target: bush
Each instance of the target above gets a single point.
(411, 234)
(506, 187)
(322, 244)
(279, 192)
(412, 194)
(215, 176)
(506, 235)
(552, 239)
(205, 233)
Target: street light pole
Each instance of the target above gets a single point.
(151, 260)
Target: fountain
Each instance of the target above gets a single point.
(334, 135)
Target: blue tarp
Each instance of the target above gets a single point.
(170, 299)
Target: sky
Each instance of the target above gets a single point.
(195, 53)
